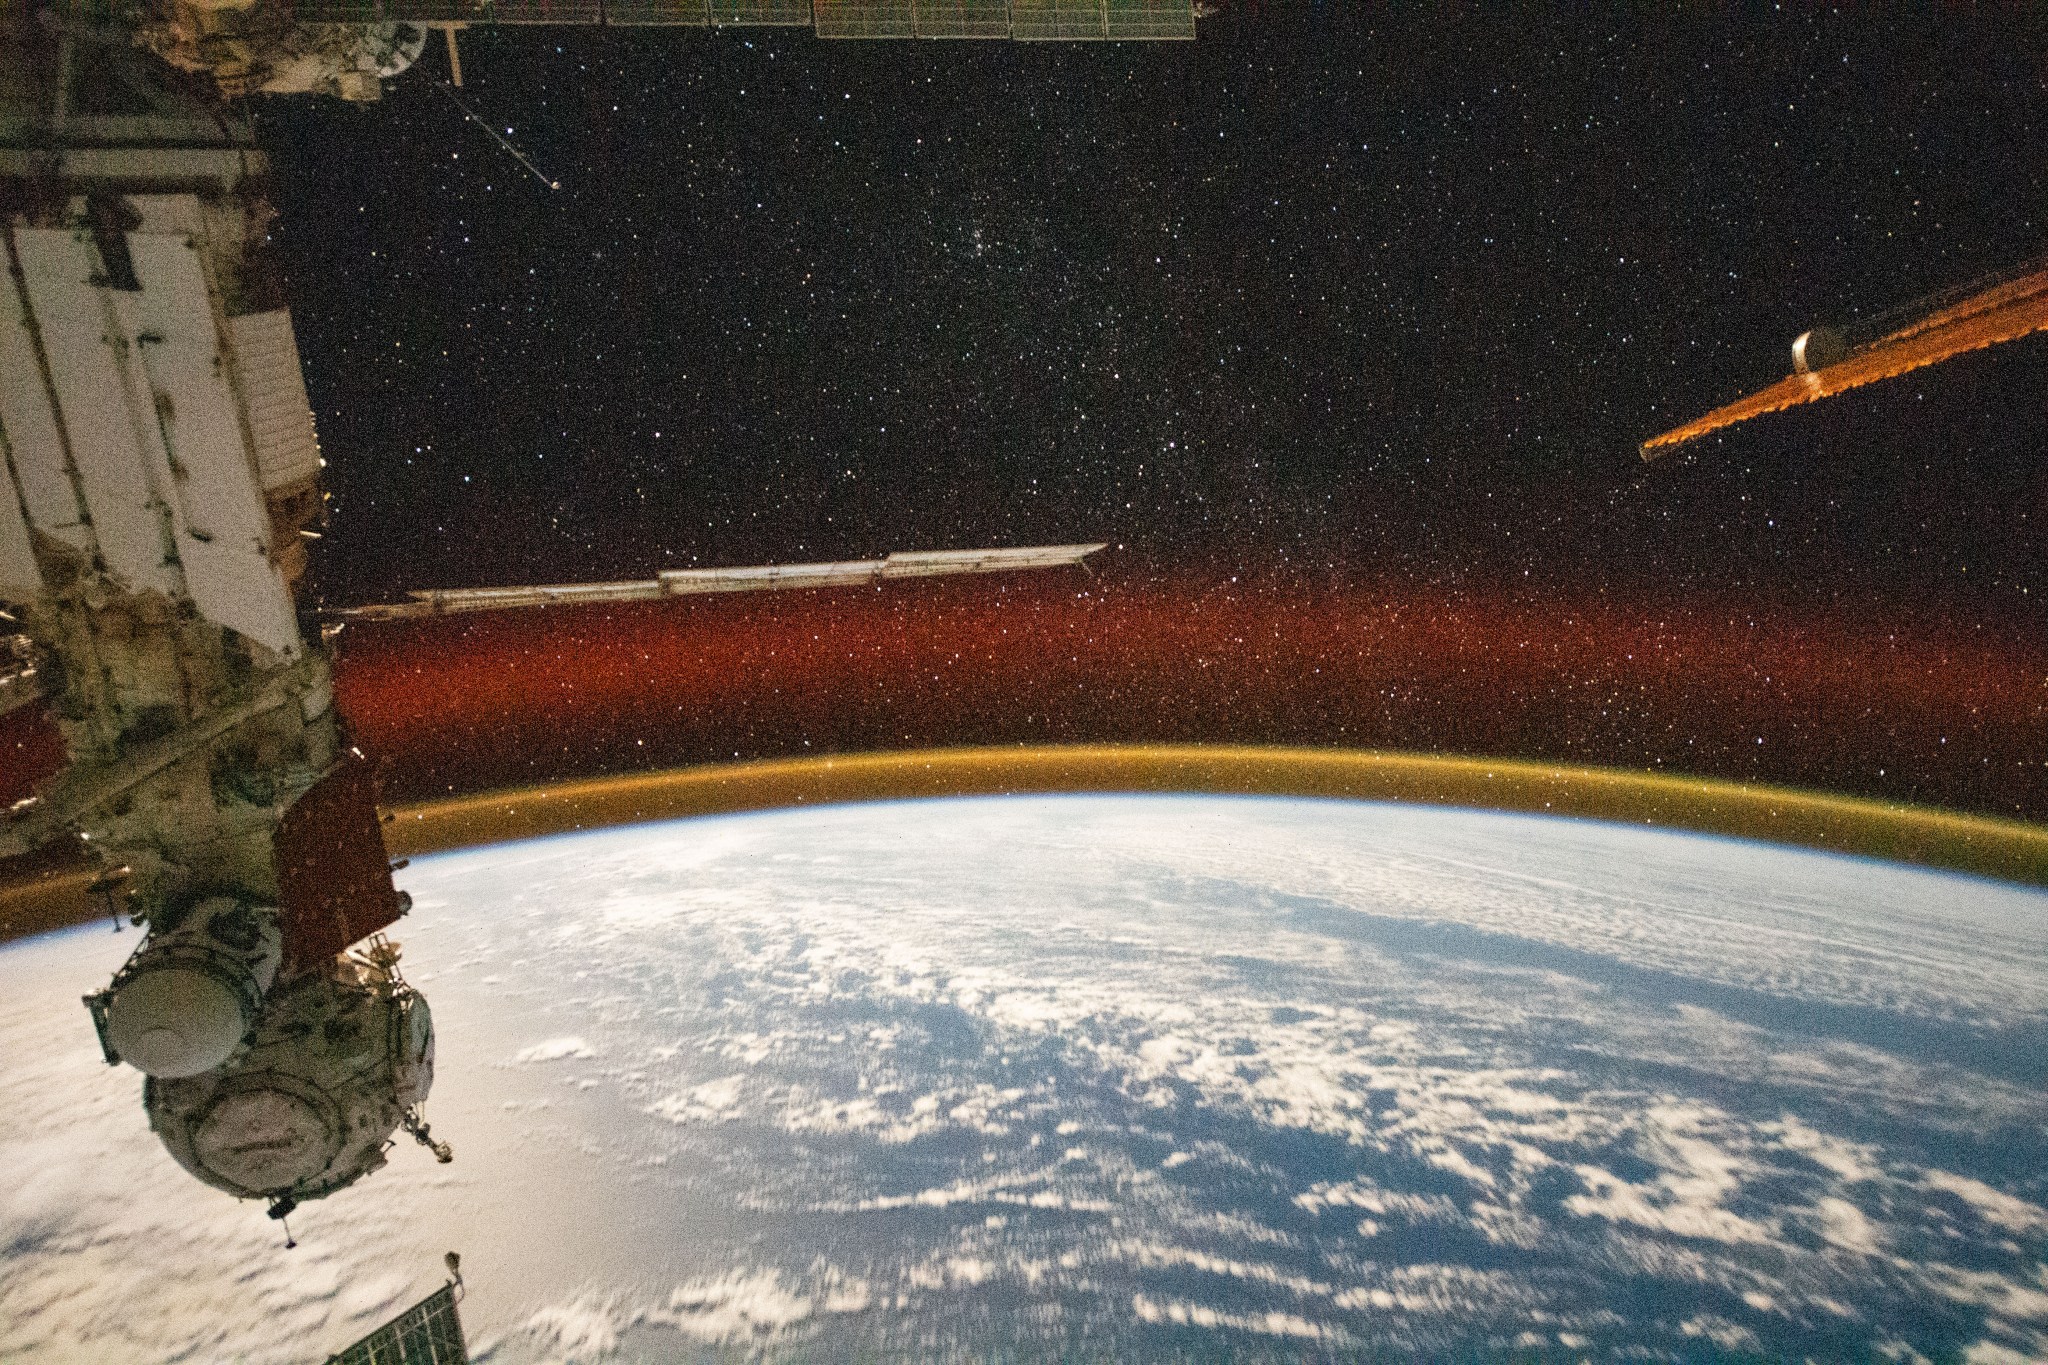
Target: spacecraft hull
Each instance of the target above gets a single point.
(339, 1062)
(160, 468)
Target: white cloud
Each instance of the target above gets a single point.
(587, 1328)
(1729, 1336)
(711, 1102)
(1994, 1206)
(1848, 1227)
(1251, 1272)
(741, 1305)
(1992, 1353)
(1181, 1313)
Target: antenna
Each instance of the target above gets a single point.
(496, 136)
(103, 888)
(424, 1135)
(280, 1209)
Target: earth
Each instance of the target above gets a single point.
(1118, 1078)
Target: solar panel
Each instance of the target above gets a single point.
(864, 19)
(445, 11)
(738, 12)
(543, 11)
(767, 577)
(912, 18)
(1040, 20)
(745, 578)
(428, 1333)
(693, 12)
(1149, 19)
(1057, 20)
(331, 11)
(961, 18)
(925, 563)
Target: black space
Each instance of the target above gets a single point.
(1327, 291)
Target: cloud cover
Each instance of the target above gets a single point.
(1156, 1072)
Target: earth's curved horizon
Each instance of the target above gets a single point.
(1924, 836)
(50, 893)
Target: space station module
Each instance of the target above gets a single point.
(161, 476)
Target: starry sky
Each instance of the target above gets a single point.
(1341, 326)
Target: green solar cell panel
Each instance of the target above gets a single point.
(761, 12)
(694, 12)
(1027, 20)
(428, 1333)
(444, 11)
(1151, 19)
(343, 11)
(1057, 20)
(962, 18)
(864, 19)
(542, 11)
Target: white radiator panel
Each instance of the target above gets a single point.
(223, 527)
(106, 411)
(20, 579)
(30, 424)
(156, 428)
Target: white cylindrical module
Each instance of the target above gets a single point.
(190, 995)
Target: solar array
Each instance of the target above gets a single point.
(747, 578)
(2015, 307)
(1024, 20)
(428, 1333)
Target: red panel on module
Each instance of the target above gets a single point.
(333, 874)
